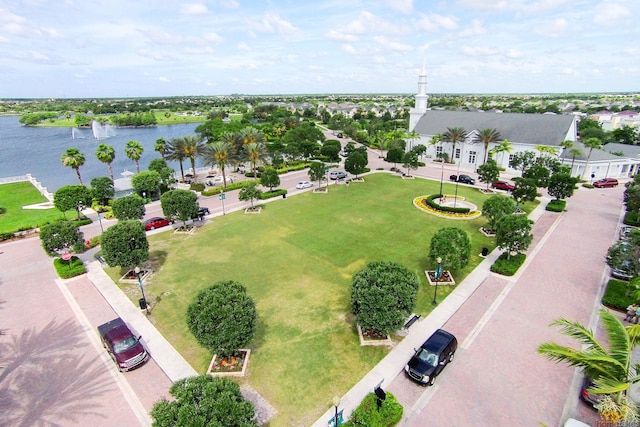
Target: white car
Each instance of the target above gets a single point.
(304, 184)
(217, 180)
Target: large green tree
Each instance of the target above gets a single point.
(395, 155)
(125, 244)
(525, 190)
(488, 136)
(356, 163)
(102, 189)
(495, 207)
(106, 154)
(72, 197)
(409, 161)
(204, 401)
(317, 172)
(383, 295)
(453, 246)
(513, 233)
(269, 178)
(60, 236)
(249, 192)
(73, 158)
(222, 317)
(608, 363)
(453, 136)
(489, 172)
(193, 147)
(561, 185)
(175, 152)
(146, 183)
(129, 207)
(219, 153)
(179, 204)
(255, 153)
(632, 195)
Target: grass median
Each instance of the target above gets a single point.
(15, 195)
(296, 259)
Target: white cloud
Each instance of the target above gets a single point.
(194, 9)
(392, 45)
(611, 14)
(206, 50)
(164, 79)
(556, 28)
(404, 6)
(475, 29)
(432, 22)
(272, 23)
(212, 37)
(479, 51)
(243, 46)
(341, 36)
(348, 48)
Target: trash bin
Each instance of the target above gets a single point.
(284, 196)
(143, 304)
(485, 251)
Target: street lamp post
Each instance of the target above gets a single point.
(437, 275)
(441, 175)
(146, 306)
(336, 403)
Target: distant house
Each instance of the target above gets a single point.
(611, 121)
(524, 132)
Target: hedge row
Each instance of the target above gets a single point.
(270, 194)
(632, 218)
(615, 295)
(508, 267)
(230, 187)
(66, 269)
(556, 205)
(434, 205)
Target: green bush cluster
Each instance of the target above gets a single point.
(632, 218)
(615, 295)
(556, 205)
(270, 194)
(508, 267)
(66, 269)
(230, 187)
(367, 413)
(587, 185)
(2, 210)
(5, 236)
(291, 168)
(197, 187)
(434, 205)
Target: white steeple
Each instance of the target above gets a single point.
(421, 98)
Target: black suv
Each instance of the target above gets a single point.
(431, 358)
(465, 179)
(202, 212)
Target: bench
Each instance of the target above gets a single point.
(411, 321)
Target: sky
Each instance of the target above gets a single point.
(141, 48)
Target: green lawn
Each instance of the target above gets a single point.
(17, 194)
(296, 259)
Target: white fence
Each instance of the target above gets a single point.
(43, 190)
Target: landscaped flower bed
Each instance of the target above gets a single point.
(373, 337)
(445, 279)
(234, 365)
(422, 204)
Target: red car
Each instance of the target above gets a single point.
(605, 182)
(156, 222)
(502, 185)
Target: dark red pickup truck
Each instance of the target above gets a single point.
(125, 349)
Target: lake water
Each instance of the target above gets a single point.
(37, 150)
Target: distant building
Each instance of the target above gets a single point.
(525, 132)
(611, 121)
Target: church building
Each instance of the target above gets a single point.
(517, 132)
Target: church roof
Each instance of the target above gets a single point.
(534, 129)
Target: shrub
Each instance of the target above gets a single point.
(615, 296)
(632, 218)
(3, 210)
(230, 187)
(508, 266)
(271, 194)
(5, 236)
(367, 413)
(587, 185)
(66, 269)
(556, 205)
(293, 167)
(196, 187)
(451, 209)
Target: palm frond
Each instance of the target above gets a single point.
(619, 343)
(580, 333)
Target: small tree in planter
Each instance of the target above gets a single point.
(394, 155)
(410, 161)
(561, 185)
(317, 172)
(249, 192)
(204, 401)
(489, 172)
(222, 318)
(356, 162)
(494, 208)
(453, 246)
(125, 244)
(269, 178)
(180, 204)
(513, 233)
(525, 190)
(383, 295)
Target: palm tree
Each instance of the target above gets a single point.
(134, 150)
(590, 143)
(454, 135)
(575, 152)
(487, 136)
(105, 153)
(161, 147)
(547, 150)
(175, 151)
(504, 146)
(566, 145)
(413, 135)
(611, 370)
(250, 135)
(193, 147)
(218, 154)
(435, 140)
(74, 159)
(254, 153)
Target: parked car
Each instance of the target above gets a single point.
(304, 184)
(156, 222)
(216, 180)
(431, 358)
(465, 179)
(340, 135)
(590, 399)
(202, 212)
(123, 346)
(624, 271)
(606, 182)
(503, 185)
(625, 231)
(337, 175)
